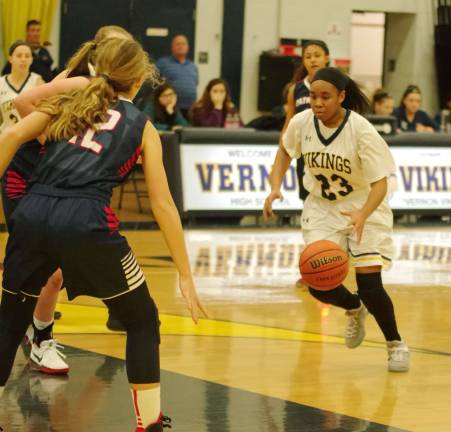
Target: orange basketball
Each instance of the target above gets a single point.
(324, 265)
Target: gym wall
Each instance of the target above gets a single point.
(409, 39)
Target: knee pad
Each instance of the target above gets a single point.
(137, 312)
(145, 321)
(139, 315)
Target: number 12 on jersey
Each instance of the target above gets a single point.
(87, 140)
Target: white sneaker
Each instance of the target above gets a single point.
(355, 326)
(47, 357)
(398, 356)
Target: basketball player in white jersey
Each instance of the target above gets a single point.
(19, 80)
(347, 165)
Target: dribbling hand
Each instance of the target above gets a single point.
(267, 209)
(192, 300)
(358, 219)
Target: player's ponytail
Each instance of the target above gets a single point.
(120, 64)
(355, 99)
(78, 64)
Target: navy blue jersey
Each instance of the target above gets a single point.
(26, 158)
(21, 168)
(93, 163)
(411, 126)
(301, 95)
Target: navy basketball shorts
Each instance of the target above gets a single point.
(78, 235)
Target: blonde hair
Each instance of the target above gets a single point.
(77, 65)
(106, 32)
(120, 64)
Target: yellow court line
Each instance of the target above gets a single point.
(79, 319)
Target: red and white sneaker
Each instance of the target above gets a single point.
(48, 358)
(162, 422)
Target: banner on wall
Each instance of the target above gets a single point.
(423, 178)
(235, 177)
(232, 177)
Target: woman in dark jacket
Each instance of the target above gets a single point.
(410, 117)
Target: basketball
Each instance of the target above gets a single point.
(323, 265)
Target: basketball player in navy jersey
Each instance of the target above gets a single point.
(45, 354)
(95, 137)
(315, 55)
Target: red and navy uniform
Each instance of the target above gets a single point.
(301, 95)
(16, 180)
(65, 221)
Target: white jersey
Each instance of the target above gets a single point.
(8, 113)
(341, 163)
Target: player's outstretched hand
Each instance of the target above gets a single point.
(192, 300)
(267, 209)
(358, 219)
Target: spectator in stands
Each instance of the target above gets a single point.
(443, 118)
(181, 72)
(382, 103)
(410, 117)
(42, 60)
(163, 110)
(215, 108)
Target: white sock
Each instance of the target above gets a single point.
(41, 325)
(147, 406)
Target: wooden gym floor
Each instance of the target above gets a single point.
(270, 358)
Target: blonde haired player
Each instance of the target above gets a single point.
(72, 211)
(347, 165)
(45, 355)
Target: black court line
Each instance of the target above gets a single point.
(95, 398)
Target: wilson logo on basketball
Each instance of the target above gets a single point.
(324, 261)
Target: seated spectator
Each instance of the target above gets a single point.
(382, 103)
(215, 107)
(410, 117)
(163, 110)
(443, 118)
